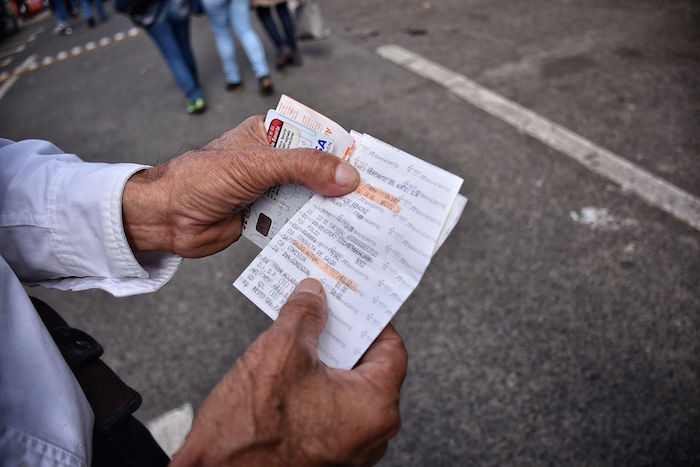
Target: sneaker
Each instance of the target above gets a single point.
(91, 22)
(60, 27)
(266, 87)
(197, 106)
(234, 87)
(67, 31)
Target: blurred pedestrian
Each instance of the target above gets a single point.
(167, 22)
(87, 12)
(60, 13)
(287, 52)
(224, 14)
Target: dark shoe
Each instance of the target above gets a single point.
(282, 58)
(91, 22)
(295, 59)
(266, 87)
(196, 106)
(234, 87)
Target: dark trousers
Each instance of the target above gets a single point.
(265, 16)
(119, 439)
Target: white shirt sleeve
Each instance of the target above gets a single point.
(61, 223)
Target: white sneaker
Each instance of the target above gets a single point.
(63, 28)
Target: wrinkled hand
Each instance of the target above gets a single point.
(279, 405)
(191, 205)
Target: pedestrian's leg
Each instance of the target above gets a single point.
(163, 35)
(60, 11)
(87, 13)
(218, 14)
(240, 19)
(288, 25)
(265, 16)
(100, 10)
(181, 27)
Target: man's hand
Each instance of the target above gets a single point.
(279, 405)
(191, 205)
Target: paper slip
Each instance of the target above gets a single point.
(263, 219)
(369, 248)
(316, 121)
(269, 213)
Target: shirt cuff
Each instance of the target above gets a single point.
(87, 232)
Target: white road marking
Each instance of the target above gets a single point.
(11, 51)
(653, 190)
(171, 428)
(63, 55)
(11, 81)
(600, 219)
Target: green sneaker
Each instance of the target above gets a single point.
(197, 106)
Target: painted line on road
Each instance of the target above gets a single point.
(171, 428)
(10, 79)
(654, 190)
(74, 52)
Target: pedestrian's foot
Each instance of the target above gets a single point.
(266, 87)
(91, 22)
(63, 28)
(196, 106)
(234, 87)
(282, 58)
(295, 59)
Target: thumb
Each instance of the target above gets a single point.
(319, 171)
(305, 313)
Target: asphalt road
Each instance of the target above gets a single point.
(534, 339)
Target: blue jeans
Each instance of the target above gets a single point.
(60, 11)
(171, 33)
(87, 11)
(223, 14)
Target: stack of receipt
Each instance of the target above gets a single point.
(368, 248)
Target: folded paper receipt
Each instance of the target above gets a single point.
(368, 248)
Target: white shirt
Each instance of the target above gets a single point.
(61, 227)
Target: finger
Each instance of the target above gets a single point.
(253, 127)
(386, 360)
(376, 454)
(319, 171)
(305, 313)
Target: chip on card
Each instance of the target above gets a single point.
(270, 212)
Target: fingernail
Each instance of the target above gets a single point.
(309, 285)
(345, 175)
